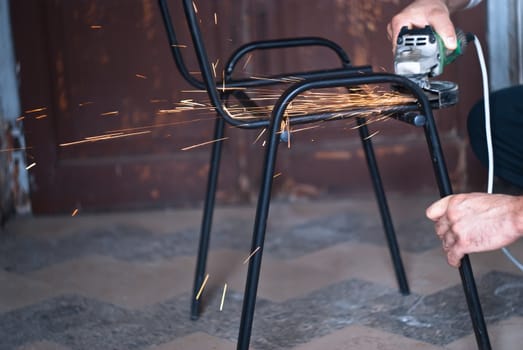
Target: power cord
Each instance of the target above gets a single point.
(488, 134)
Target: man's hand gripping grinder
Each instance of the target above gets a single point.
(421, 54)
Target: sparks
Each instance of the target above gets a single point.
(214, 65)
(30, 166)
(194, 6)
(96, 27)
(373, 103)
(215, 18)
(251, 255)
(74, 212)
(106, 114)
(259, 135)
(36, 110)
(103, 137)
(371, 135)
(204, 144)
(223, 296)
(202, 286)
(140, 76)
(247, 62)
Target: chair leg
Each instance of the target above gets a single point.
(210, 196)
(383, 207)
(258, 238)
(465, 270)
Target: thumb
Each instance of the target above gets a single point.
(437, 209)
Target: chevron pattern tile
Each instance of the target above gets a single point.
(123, 281)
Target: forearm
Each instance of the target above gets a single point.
(454, 5)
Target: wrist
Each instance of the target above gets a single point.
(518, 215)
(455, 5)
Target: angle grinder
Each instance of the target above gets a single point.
(421, 54)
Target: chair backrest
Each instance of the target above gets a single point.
(175, 46)
(208, 82)
(218, 90)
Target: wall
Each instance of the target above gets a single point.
(104, 67)
(13, 177)
(505, 39)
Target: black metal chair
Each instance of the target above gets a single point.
(418, 113)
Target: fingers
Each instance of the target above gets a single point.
(438, 209)
(442, 25)
(394, 28)
(454, 257)
(449, 239)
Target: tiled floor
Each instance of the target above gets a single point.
(123, 281)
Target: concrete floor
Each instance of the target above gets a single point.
(123, 281)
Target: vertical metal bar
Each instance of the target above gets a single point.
(258, 238)
(383, 207)
(465, 270)
(205, 232)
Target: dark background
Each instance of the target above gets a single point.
(94, 67)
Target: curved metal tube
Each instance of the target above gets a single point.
(285, 43)
(175, 47)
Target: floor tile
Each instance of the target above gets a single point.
(196, 341)
(130, 285)
(505, 335)
(364, 338)
(44, 345)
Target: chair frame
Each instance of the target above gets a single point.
(345, 76)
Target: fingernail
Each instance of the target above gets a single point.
(450, 42)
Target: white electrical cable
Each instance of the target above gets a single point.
(488, 134)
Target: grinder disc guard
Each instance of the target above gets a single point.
(442, 94)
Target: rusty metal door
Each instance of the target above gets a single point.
(96, 75)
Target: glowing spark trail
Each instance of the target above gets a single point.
(30, 166)
(251, 255)
(201, 288)
(223, 296)
(109, 113)
(214, 65)
(204, 143)
(247, 62)
(371, 135)
(103, 137)
(75, 212)
(36, 110)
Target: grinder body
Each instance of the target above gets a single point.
(421, 54)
